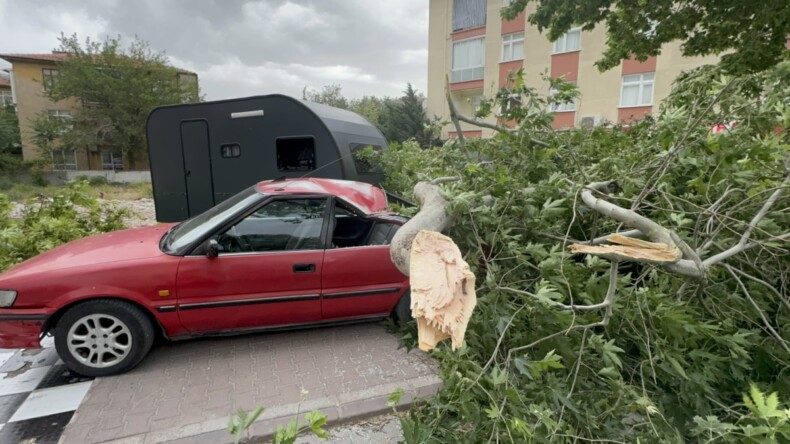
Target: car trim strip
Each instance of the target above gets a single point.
(166, 308)
(236, 302)
(23, 317)
(348, 294)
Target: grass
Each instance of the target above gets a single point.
(19, 192)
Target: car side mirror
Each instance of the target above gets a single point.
(214, 248)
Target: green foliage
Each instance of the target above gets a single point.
(765, 423)
(117, 87)
(399, 119)
(239, 424)
(672, 349)
(67, 215)
(405, 119)
(752, 35)
(9, 140)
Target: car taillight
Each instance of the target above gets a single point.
(7, 298)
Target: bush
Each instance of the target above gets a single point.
(97, 180)
(46, 222)
(671, 349)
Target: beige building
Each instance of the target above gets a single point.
(30, 76)
(471, 45)
(6, 96)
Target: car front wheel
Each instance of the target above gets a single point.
(103, 337)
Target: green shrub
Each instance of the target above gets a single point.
(48, 221)
(97, 180)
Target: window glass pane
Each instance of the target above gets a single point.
(278, 226)
(362, 165)
(633, 78)
(647, 93)
(295, 153)
(518, 50)
(559, 44)
(468, 60)
(630, 95)
(573, 40)
(648, 76)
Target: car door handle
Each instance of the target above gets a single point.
(304, 268)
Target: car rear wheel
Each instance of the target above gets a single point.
(103, 337)
(402, 312)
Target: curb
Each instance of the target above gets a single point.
(340, 408)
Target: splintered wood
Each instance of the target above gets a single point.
(442, 290)
(630, 248)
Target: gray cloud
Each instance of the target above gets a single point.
(241, 48)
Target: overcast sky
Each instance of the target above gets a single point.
(240, 48)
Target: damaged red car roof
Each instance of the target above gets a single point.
(368, 198)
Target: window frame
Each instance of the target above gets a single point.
(63, 166)
(641, 83)
(560, 107)
(113, 166)
(564, 39)
(49, 77)
(6, 98)
(508, 41)
(482, 65)
(232, 222)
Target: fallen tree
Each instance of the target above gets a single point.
(635, 335)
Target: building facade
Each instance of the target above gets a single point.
(475, 49)
(30, 77)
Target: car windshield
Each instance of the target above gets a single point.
(192, 229)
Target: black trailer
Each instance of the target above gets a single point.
(203, 153)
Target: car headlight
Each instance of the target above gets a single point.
(7, 298)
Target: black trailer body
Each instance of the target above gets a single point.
(203, 153)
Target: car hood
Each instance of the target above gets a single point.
(124, 245)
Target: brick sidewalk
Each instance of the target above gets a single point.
(187, 390)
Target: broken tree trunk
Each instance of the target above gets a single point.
(442, 286)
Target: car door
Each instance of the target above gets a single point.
(267, 272)
(358, 277)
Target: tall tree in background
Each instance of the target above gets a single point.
(405, 119)
(399, 119)
(116, 87)
(753, 33)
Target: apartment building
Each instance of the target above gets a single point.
(30, 77)
(471, 45)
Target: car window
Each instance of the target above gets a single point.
(280, 225)
(196, 227)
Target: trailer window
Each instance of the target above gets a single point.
(295, 153)
(363, 165)
(230, 150)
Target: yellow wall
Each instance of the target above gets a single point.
(30, 100)
(600, 91)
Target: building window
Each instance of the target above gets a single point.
(637, 90)
(50, 78)
(570, 41)
(62, 116)
(64, 160)
(295, 153)
(562, 107)
(513, 46)
(111, 160)
(468, 14)
(6, 99)
(468, 60)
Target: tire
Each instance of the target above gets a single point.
(402, 311)
(119, 328)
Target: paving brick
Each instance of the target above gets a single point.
(181, 384)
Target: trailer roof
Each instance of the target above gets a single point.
(366, 197)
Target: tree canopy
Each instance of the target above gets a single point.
(570, 344)
(9, 138)
(399, 119)
(115, 87)
(752, 35)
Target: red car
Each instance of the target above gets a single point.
(280, 254)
